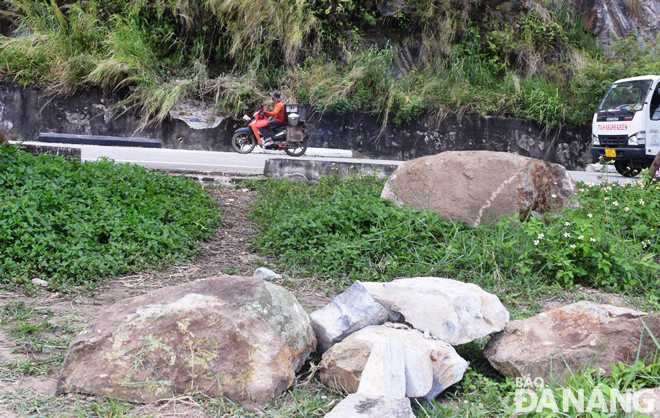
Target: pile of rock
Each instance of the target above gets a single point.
(384, 343)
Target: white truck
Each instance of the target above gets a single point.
(626, 126)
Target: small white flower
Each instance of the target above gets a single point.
(554, 195)
(581, 190)
(644, 244)
(536, 242)
(590, 215)
(592, 239)
(615, 203)
(581, 237)
(641, 202)
(573, 246)
(626, 209)
(540, 236)
(567, 224)
(566, 235)
(607, 198)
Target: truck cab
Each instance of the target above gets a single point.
(626, 126)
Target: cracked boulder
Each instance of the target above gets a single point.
(239, 337)
(430, 365)
(449, 310)
(479, 187)
(581, 335)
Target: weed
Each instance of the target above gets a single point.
(78, 223)
(342, 231)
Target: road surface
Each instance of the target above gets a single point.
(245, 164)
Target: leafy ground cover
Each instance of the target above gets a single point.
(75, 224)
(342, 231)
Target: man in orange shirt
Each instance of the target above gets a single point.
(277, 114)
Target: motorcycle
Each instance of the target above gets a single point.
(291, 137)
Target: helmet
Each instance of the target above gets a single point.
(276, 95)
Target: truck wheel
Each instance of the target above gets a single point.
(626, 168)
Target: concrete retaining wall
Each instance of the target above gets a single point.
(308, 170)
(65, 152)
(26, 112)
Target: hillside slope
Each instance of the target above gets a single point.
(540, 60)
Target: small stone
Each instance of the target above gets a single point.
(266, 274)
(39, 282)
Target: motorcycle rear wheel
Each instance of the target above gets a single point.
(296, 149)
(243, 142)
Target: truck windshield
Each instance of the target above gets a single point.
(626, 97)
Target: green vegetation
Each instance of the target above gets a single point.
(342, 231)
(395, 59)
(75, 224)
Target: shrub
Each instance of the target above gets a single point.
(77, 223)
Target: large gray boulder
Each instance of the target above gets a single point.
(478, 187)
(451, 311)
(431, 366)
(357, 405)
(580, 335)
(238, 337)
(349, 312)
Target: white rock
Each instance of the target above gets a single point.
(452, 311)
(39, 282)
(385, 371)
(347, 313)
(431, 366)
(361, 406)
(266, 274)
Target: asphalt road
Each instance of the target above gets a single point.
(204, 161)
(245, 164)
